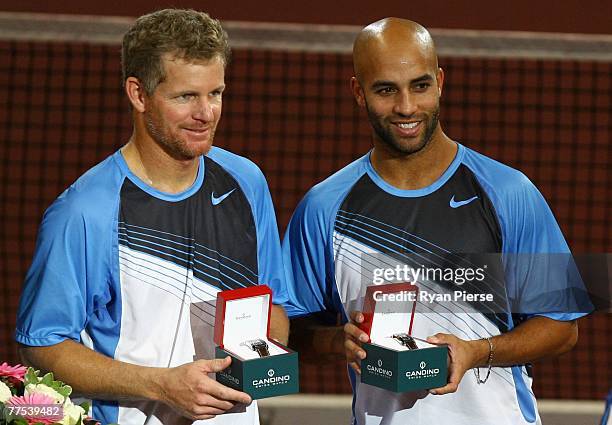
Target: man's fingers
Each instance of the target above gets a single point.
(451, 387)
(217, 365)
(439, 338)
(222, 392)
(190, 390)
(203, 417)
(208, 405)
(355, 332)
(206, 412)
(353, 350)
(456, 374)
(447, 389)
(202, 413)
(355, 366)
(353, 338)
(357, 316)
(212, 402)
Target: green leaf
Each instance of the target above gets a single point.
(48, 380)
(85, 406)
(64, 390)
(31, 376)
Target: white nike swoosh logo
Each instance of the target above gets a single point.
(217, 201)
(457, 204)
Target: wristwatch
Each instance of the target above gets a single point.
(406, 340)
(259, 346)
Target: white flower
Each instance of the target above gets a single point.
(44, 389)
(5, 392)
(72, 413)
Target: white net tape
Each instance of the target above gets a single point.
(318, 38)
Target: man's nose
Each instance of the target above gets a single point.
(203, 110)
(405, 104)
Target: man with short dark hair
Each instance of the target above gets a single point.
(416, 195)
(120, 299)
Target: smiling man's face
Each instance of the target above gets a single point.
(183, 112)
(399, 83)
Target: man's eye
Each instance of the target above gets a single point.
(185, 97)
(386, 90)
(422, 86)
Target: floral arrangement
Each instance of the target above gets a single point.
(28, 399)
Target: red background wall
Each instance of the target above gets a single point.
(581, 16)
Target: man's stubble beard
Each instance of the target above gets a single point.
(385, 135)
(172, 144)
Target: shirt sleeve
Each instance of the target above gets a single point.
(542, 277)
(307, 253)
(54, 305)
(269, 257)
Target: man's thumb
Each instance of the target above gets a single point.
(217, 365)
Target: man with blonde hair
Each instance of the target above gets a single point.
(120, 299)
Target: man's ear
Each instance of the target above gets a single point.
(135, 93)
(440, 81)
(358, 92)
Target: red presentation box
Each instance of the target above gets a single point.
(261, 366)
(395, 359)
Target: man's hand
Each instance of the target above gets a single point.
(190, 391)
(463, 355)
(187, 388)
(353, 338)
(536, 338)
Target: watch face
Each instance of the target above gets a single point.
(411, 343)
(258, 345)
(262, 348)
(406, 340)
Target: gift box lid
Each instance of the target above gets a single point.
(389, 309)
(243, 314)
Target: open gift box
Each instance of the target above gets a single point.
(261, 367)
(395, 359)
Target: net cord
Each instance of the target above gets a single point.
(318, 38)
